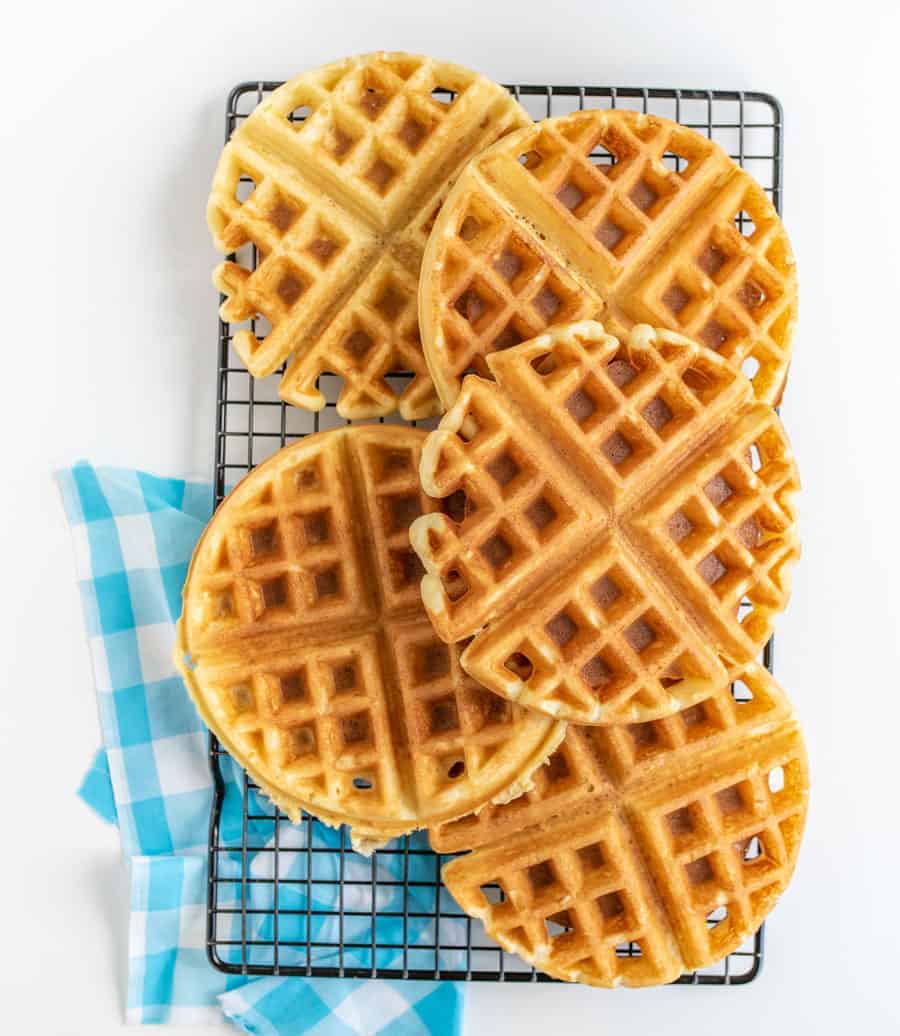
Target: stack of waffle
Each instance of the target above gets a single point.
(535, 630)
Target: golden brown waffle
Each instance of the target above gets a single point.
(613, 214)
(307, 651)
(643, 851)
(349, 165)
(609, 507)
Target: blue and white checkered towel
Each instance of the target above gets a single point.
(134, 534)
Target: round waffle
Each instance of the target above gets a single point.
(619, 517)
(305, 646)
(335, 179)
(643, 851)
(627, 217)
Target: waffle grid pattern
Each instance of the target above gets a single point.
(509, 301)
(732, 536)
(511, 510)
(598, 638)
(305, 714)
(252, 422)
(287, 555)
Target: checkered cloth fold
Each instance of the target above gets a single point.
(133, 536)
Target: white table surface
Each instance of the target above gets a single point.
(111, 121)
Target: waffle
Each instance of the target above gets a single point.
(347, 166)
(642, 851)
(609, 506)
(305, 646)
(629, 218)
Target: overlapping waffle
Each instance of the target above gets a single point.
(348, 166)
(609, 506)
(646, 850)
(305, 646)
(613, 214)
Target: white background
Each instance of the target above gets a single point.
(110, 124)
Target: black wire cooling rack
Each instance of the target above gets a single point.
(295, 899)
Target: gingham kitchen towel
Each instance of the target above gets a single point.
(133, 535)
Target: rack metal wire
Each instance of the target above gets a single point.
(295, 900)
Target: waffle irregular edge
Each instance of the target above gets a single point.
(305, 646)
(346, 167)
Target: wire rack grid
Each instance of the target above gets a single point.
(295, 899)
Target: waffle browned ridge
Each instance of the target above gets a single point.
(619, 519)
(307, 651)
(647, 850)
(623, 216)
(336, 179)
